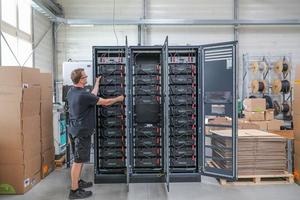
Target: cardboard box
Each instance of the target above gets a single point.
(46, 86)
(19, 178)
(296, 123)
(47, 93)
(46, 80)
(46, 118)
(296, 89)
(47, 138)
(297, 147)
(20, 94)
(289, 134)
(47, 143)
(254, 116)
(262, 125)
(27, 100)
(48, 164)
(14, 179)
(269, 114)
(15, 131)
(296, 106)
(297, 168)
(19, 76)
(275, 124)
(255, 105)
(244, 124)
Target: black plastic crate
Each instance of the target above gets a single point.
(182, 79)
(147, 152)
(147, 130)
(182, 162)
(182, 69)
(147, 162)
(154, 99)
(111, 142)
(111, 90)
(111, 122)
(147, 141)
(182, 100)
(109, 70)
(182, 110)
(111, 152)
(183, 151)
(182, 141)
(147, 69)
(147, 90)
(182, 89)
(116, 110)
(146, 80)
(111, 163)
(112, 80)
(112, 132)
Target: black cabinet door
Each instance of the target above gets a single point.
(218, 112)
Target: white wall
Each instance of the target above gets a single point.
(76, 42)
(43, 55)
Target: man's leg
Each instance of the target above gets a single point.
(75, 175)
(80, 170)
(77, 192)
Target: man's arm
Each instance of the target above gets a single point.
(110, 101)
(96, 87)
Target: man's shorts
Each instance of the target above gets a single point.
(81, 147)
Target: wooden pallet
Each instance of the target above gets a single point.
(285, 178)
(59, 162)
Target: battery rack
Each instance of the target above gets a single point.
(147, 132)
(182, 81)
(160, 133)
(110, 137)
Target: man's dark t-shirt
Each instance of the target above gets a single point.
(81, 111)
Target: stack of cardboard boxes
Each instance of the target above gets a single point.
(20, 146)
(296, 123)
(26, 128)
(47, 150)
(256, 113)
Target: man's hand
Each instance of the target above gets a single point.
(110, 101)
(98, 80)
(96, 86)
(120, 98)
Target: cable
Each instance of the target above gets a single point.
(114, 23)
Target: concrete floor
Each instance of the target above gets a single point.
(56, 187)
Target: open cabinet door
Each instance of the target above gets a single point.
(128, 113)
(218, 80)
(166, 114)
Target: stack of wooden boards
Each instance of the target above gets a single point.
(258, 152)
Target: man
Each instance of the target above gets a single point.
(82, 123)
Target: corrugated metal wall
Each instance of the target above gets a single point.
(75, 43)
(43, 55)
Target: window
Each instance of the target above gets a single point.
(16, 27)
(9, 12)
(6, 55)
(24, 8)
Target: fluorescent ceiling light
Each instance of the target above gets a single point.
(81, 25)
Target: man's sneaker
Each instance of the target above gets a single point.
(83, 184)
(79, 194)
